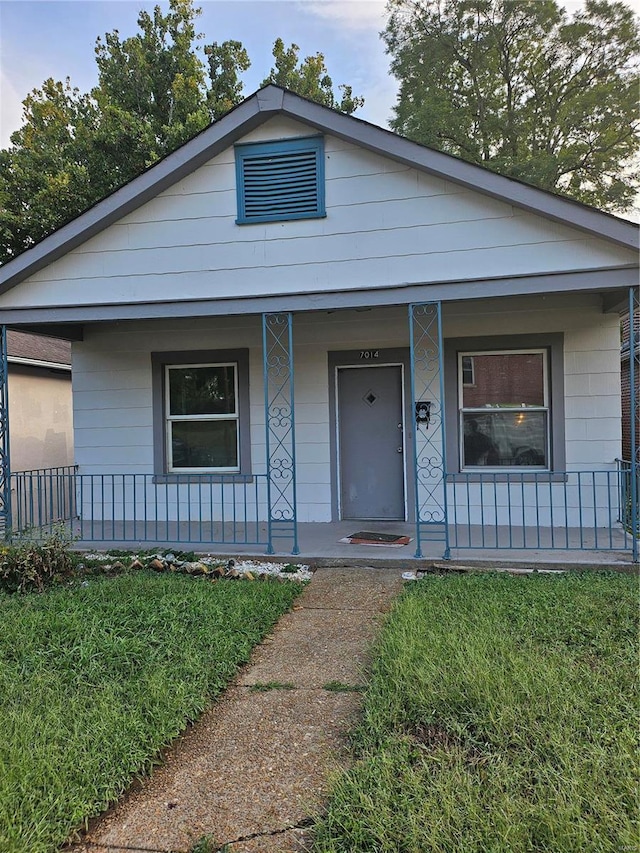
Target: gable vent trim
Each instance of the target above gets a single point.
(280, 180)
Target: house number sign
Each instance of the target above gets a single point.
(368, 354)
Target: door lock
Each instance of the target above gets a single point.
(399, 450)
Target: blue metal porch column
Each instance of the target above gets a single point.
(427, 410)
(634, 408)
(277, 344)
(5, 459)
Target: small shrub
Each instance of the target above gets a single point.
(28, 566)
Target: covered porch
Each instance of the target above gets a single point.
(450, 513)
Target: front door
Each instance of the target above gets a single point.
(370, 441)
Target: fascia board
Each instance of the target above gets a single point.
(34, 362)
(585, 281)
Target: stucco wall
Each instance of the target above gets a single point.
(113, 392)
(40, 418)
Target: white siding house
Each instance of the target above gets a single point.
(360, 330)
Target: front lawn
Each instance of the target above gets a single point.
(502, 716)
(96, 679)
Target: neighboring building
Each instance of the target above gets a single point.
(40, 404)
(288, 247)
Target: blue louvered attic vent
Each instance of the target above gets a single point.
(280, 180)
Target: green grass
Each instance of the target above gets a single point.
(501, 716)
(96, 679)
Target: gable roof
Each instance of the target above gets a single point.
(271, 101)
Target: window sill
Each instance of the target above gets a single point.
(202, 479)
(507, 477)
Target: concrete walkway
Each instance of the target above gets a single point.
(253, 771)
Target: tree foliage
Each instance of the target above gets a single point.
(156, 75)
(154, 93)
(519, 87)
(309, 78)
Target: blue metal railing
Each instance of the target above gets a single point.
(43, 497)
(579, 510)
(626, 507)
(197, 509)
(585, 510)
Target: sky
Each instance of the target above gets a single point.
(56, 38)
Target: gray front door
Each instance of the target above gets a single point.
(371, 442)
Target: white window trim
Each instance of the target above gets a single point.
(501, 469)
(170, 419)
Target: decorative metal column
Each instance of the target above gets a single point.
(5, 466)
(427, 392)
(280, 429)
(634, 408)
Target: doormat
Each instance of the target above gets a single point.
(387, 540)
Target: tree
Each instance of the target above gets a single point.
(156, 75)
(309, 79)
(154, 93)
(226, 61)
(516, 86)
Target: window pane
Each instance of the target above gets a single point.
(202, 390)
(505, 438)
(506, 380)
(467, 370)
(204, 444)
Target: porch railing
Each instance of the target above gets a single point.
(582, 510)
(625, 497)
(42, 498)
(140, 508)
(585, 510)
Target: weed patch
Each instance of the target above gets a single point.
(27, 566)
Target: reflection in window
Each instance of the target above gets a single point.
(504, 415)
(202, 417)
(467, 370)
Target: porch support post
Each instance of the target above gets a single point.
(427, 409)
(634, 409)
(277, 344)
(5, 459)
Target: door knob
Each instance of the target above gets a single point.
(399, 450)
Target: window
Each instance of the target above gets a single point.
(202, 417)
(280, 180)
(201, 413)
(467, 370)
(504, 413)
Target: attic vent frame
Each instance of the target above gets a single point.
(281, 180)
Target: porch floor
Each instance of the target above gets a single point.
(320, 544)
